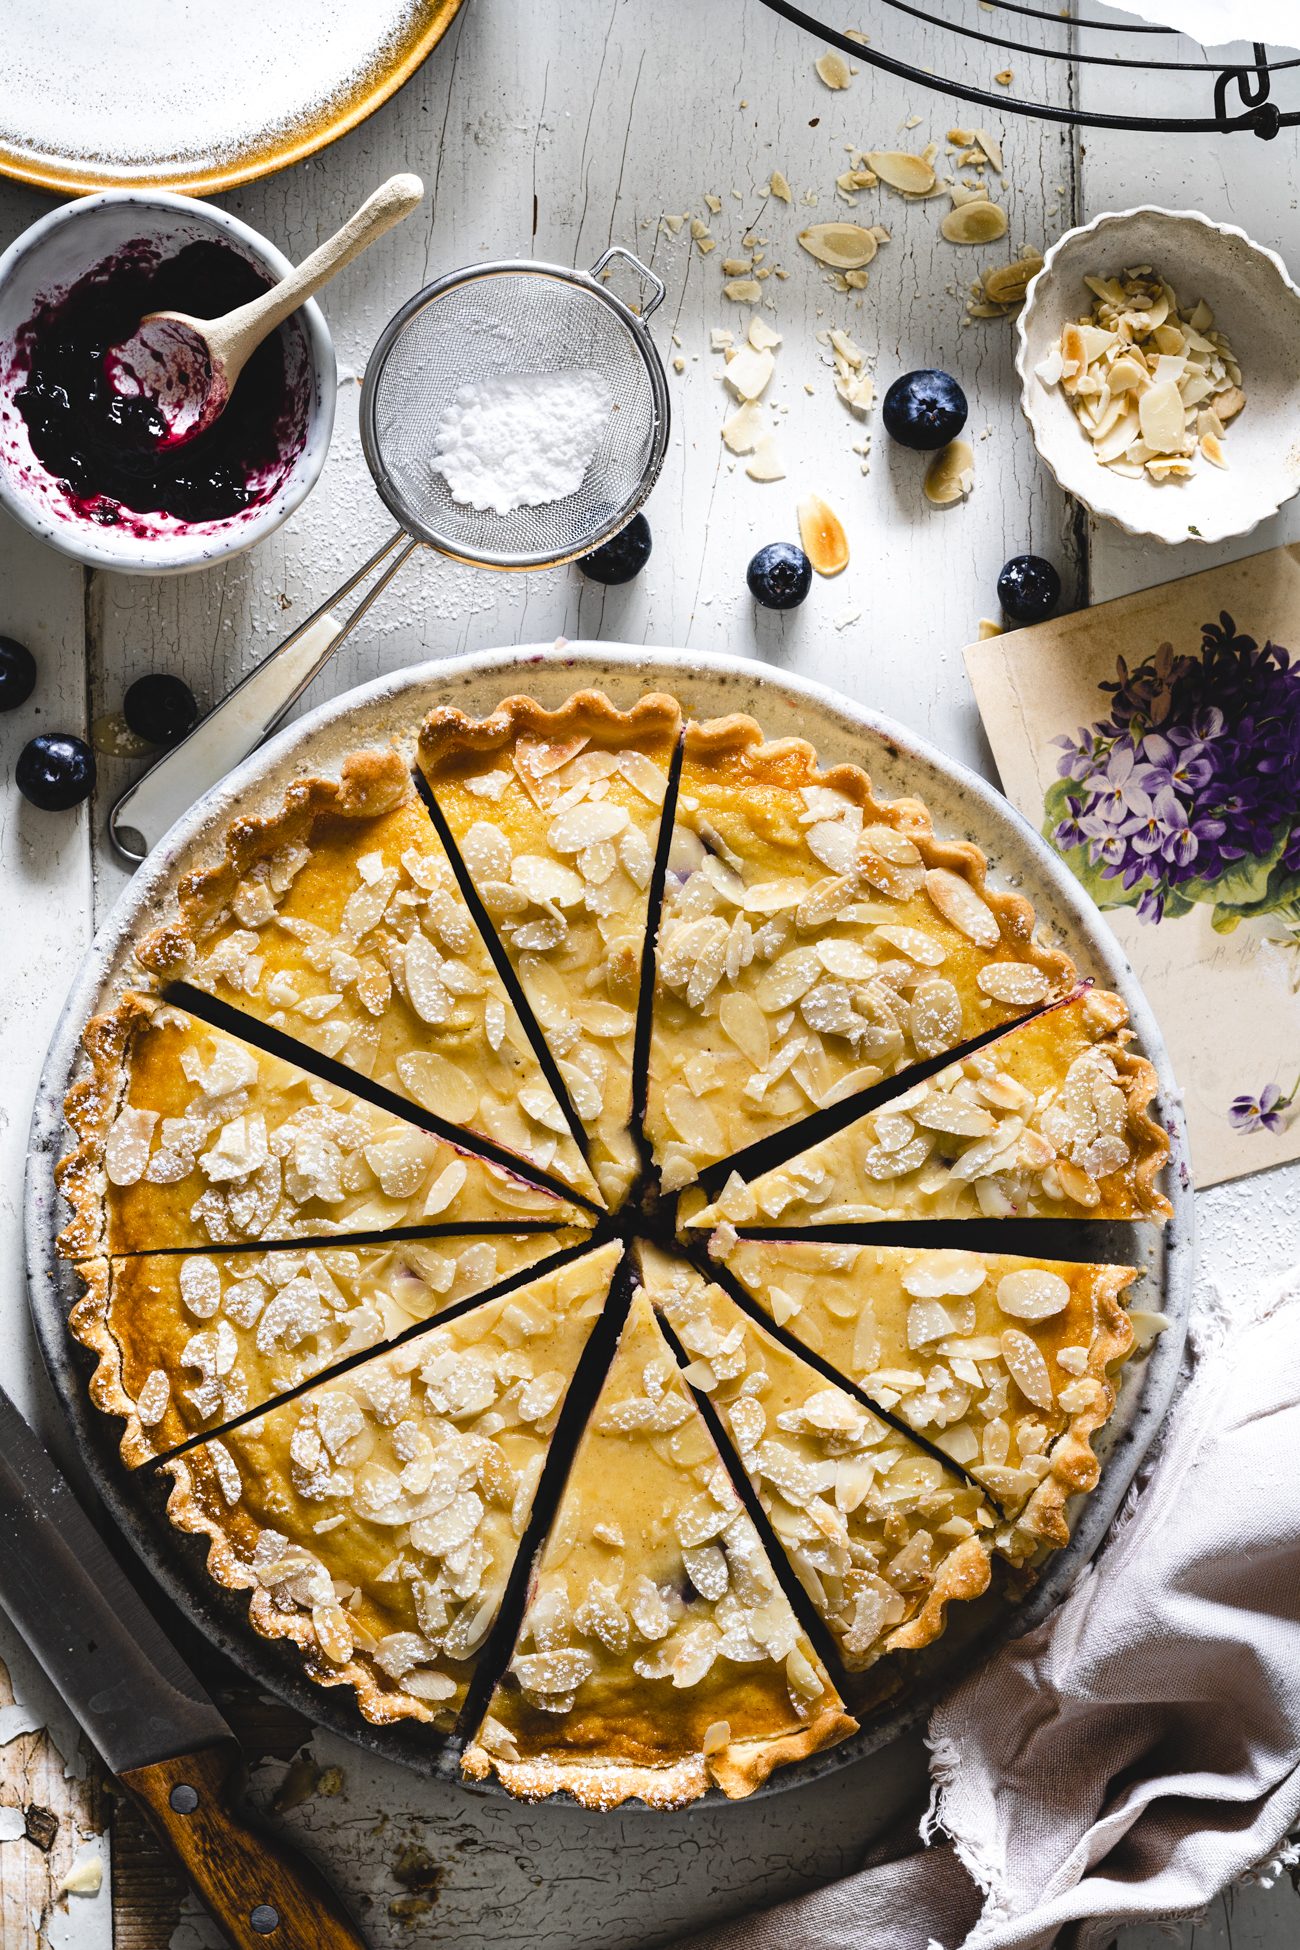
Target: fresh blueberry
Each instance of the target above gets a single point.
(779, 576)
(924, 410)
(1028, 589)
(17, 674)
(160, 708)
(55, 771)
(623, 556)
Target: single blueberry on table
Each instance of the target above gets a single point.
(622, 557)
(160, 708)
(924, 410)
(17, 673)
(55, 771)
(1028, 589)
(779, 576)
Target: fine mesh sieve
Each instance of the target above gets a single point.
(496, 321)
(489, 321)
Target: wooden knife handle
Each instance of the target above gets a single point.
(263, 1896)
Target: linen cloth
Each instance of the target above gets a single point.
(1141, 1748)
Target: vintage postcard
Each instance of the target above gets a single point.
(1155, 742)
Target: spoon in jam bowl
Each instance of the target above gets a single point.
(187, 367)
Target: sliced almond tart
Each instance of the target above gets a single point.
(1052, 1120)
(188, 1137)
(881, 1535)
(658, 1654)
(814, 941)
(187, 1341)
(1005, 1363)
(556, 815)
(375, 1519)
(338, 920)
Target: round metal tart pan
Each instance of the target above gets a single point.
(899, 762)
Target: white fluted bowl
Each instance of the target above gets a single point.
(1254, 301)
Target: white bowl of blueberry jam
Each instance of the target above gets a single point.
(82, 468)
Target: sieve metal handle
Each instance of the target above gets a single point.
(245, 716)
(658, 290)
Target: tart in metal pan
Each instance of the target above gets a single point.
(961, 808)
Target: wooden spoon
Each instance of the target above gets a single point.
(189, 366)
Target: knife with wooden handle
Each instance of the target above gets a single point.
(144, 1711)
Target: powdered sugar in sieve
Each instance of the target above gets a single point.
(521, 441)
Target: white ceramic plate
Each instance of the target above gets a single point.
(185, 95)
(392, 708)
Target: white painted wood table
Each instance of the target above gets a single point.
(554, 131)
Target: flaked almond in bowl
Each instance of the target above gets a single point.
(1140, 343)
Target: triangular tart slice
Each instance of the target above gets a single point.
(187, 1341)
(338, 920)
(658, 1654)
(1005, 1363)
(375, 1519)
(882, 1536)
(1052, 1120)
(813, 941)
(556, 815)
(189, 1137)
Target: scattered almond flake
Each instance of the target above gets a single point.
(1006, 284)
(843, 246)
(844, 617)
(712, 203)
(765, 464)
(951, 474)
(988, 628)
(698, 229)
(912, 122)
(742, 432)
(720, 340)
(113, 737)
(761, 336)
(674, 223)
(679, 364)
(778, 186)
(1004, 77)
(748, 372)
(910, 175)
(84, 1878)
(976, 222)
(991, 146)
(705, 244)
(833, 69)
(743, 291)
(822, 534)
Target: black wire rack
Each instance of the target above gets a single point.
(1238, 92)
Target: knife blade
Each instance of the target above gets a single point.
(143, 1709)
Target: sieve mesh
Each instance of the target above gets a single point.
(497, 321)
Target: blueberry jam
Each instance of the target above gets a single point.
(107, 451)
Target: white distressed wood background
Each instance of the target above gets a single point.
(554, 131)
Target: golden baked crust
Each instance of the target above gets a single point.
(556, 815)
(1005, 1363)
(651, 1571)
(375, 1519)
(813, 942)
(188, 1341)
(1051, 1120)
(337, 919)
(188, 1137)
(881, 1535)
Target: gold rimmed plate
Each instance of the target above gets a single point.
(182, 95)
